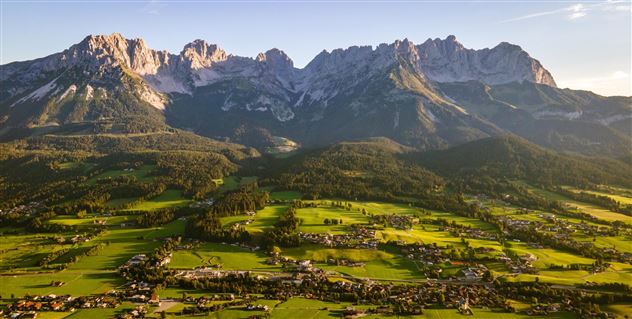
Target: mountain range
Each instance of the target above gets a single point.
(432, 95)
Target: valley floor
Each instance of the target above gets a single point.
(467, 243)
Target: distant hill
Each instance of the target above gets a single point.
(517, 159)
(560, 119)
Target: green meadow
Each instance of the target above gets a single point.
(379, 208)
(617, 195)
(101, 313)
(123, 243)
(233, 182)
(573, 277)
(169, 198)
(547, 256)
(263, 220)
(591, 209)
(77, 282)
(230, 257)
(142, 173)
(377, 263)
(91, 220)
(312, 219)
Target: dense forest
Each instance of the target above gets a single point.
(516, 159)
(208, 226)
(355, 170)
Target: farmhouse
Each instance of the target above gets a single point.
(134, 261)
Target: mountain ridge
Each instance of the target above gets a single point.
(428, 96)
(198, 54)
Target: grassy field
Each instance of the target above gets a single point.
(471, 222)
(123, 243)
(306, 308)
(78, 282)
(485, 314)
(91, 220)
(378, 264)
(169, 198)
(432, 234)
(591, 209)
(619, 309)
(383, 208)
(231, 258)
(548, 256)
(312, 219)
(22, 252)
(234, 312)
(264, 219)
(309, 308)
(316, 309)
(617, 273)
(90, 274)
(428, 236)
(233, 182)
(142, 174)
(101, 313)
(572, 277)
(620, 243)
(619, 196)
(54, 315)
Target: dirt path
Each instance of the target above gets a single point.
(165, 304)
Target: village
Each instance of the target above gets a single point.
(23, 210)
(359, 237)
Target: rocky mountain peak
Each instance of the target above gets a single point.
(404, 45)
(276, 58)
(449, 61)
(200, 54)
(437, 48)
(406, 49)
(113, 40)
(99, 50)
(507, 46)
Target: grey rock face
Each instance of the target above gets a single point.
(448, 61)
(201, 64)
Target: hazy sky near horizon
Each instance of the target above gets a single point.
(584, 44)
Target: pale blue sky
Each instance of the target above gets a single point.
(585, 44)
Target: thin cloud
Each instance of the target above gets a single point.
(534, 15)
(153, 7)
(576, 15)
(575, 11)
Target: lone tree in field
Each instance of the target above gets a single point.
(327, 221)
(275, 250)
